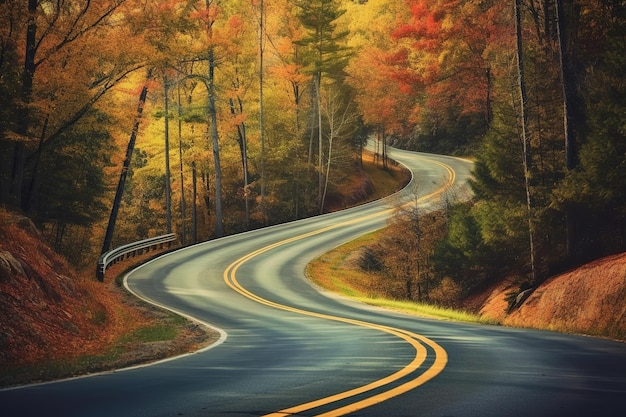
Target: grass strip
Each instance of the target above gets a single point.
(336, 271)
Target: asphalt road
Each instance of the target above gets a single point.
(289, 349)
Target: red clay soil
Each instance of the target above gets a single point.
(44, 311)
(50, 313)
(588, 300)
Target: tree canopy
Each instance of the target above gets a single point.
(256, 110)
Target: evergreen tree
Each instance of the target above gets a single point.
(324, 52)
(323, 55)
(597, 187)
(72, 178)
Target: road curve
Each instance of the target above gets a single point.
(289, 349)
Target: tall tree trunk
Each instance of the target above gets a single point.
(568, 84)
(219, 220)
(384, 137)
(488, 115)
(320, 150)
(168, 191)
(30, 199)
(297, 197)
(261, 107)
(212, 62)
(525, 135)
(377, 152)
(183, 214)
(29, 61)
(311, 201)
(23, 127)
(108, 238)
(194, 203)
(296, 95)
(570, 97)
(330, 150)
(206, 194)
(312, 122)
(243, 146)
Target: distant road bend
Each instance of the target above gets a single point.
(288, 348)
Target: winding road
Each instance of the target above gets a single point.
(288, 348)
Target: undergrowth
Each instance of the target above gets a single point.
(335, 271)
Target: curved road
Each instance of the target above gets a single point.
(289, 349)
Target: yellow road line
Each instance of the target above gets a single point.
(417, 341)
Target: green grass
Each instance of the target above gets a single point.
(115, 356)
(126, 351)
(426, 310)
(331, 271)
(155, 333)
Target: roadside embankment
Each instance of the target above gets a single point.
(589, 300)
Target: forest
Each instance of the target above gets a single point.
(212, 117)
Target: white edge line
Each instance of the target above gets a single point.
(219, 341)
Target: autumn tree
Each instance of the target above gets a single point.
(203, 18)
(121, 184)
(440, 59)
(70, 195)
(240, 73)
(340, 113)
(404, 252)
(59, 96)
(382, 100)
(56, 38)
(289, 79)
(324, 56)
(11, 18)
(523, 177)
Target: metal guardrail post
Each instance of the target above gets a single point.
(131, 249)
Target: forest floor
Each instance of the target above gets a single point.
(58, 323)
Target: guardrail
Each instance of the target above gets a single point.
(126, 251)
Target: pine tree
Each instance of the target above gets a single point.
(596, 189)
(324, 55)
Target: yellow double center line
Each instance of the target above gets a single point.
(418, 342)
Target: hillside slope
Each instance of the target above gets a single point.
(44, 311)
(55, 323)
(589, 300)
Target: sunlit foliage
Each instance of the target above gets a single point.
(432, 75)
